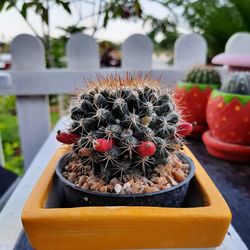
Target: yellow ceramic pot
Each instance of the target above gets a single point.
(50, 227)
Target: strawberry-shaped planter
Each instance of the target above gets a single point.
(228, 117)
(192, 96)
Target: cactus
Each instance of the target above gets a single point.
(206, 75)
(238, 83)
(126, 125)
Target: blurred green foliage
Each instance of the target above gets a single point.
(7, 104)
(9, 132)
(54, 117)
(10, 139)
(216, 20)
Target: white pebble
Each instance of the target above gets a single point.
(127, 185)
(118, 188)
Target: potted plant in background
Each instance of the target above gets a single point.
(192, 96)
(124, 175)
(228, 117)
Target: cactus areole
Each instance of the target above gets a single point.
(129, 128)
(192, 96)
(228, 117)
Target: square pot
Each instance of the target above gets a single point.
(202, 222)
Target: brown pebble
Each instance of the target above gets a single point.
(114, 181)
(83, 179)
(95, 186)
(72, 176)
(135, 188)
(66, 175)
(150, 183)
(85, 185)
(110, 188)
(179, 175)
(149, 189)
(127, 184)
(103, 189)
(91, 179)
(160, 180)
(131, 181)
(171, 180)
(160, 186)
(168, 169)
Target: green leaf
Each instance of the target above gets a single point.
(2, 3)
(106, 19)
(24, 10)
(45, 16)
(10, 6)
(66, 6)
(138, 9)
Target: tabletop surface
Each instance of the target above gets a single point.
(231, 179)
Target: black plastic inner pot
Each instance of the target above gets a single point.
(74, 196)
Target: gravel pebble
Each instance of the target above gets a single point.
(118, 188)
(163, 177)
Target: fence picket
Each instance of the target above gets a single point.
(33, 111)
(238, 43)
(189, 50)
(82, 52)
(137, 53)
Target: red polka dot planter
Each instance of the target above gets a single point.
(228, 117)
(192, 99)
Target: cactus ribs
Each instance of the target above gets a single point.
(124, 128)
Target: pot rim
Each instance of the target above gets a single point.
(217, 92)
(182, 156)
(204, 85)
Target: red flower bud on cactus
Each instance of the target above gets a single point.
(102, 145)
(67, 138)
(146, 148)
(185, 129)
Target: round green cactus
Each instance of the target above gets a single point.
(124, 125)
(238, 83)
(205, 75)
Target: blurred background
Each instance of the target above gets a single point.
(110, 22)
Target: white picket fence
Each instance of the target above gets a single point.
(31, 82)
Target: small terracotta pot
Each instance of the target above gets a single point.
(192, 100)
